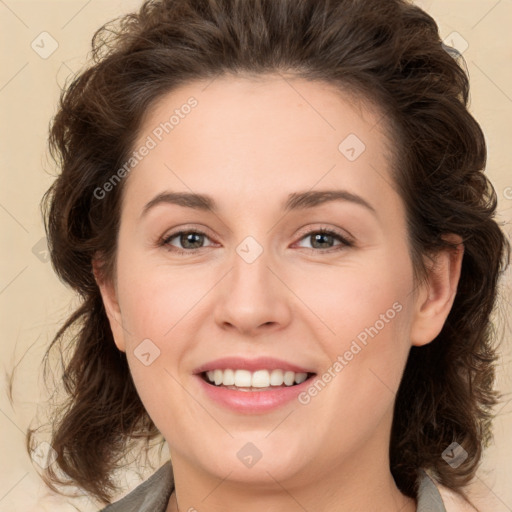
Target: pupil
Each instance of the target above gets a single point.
(189, 237)
(318, 238)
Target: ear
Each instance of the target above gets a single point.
(110, 302)
(435, 296)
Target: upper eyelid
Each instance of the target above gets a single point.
(186, 230)
(335, 231)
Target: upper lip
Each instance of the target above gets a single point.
(260, 363)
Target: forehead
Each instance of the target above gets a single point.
(259, 135)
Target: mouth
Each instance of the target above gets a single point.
(252, 386)
(259, 380)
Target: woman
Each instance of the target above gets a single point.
(276, 215)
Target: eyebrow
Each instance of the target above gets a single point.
(295, 201)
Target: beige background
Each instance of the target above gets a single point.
(32, 301)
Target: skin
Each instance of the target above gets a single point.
(248, 144)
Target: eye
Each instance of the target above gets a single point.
(325, 239)
(190, 241)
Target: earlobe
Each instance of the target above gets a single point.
(437, 293)
(110, 303)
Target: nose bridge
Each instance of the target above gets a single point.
(251, 267)
(251, 277)
(252, 295)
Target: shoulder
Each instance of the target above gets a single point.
(453, 501)
(152, 495)
(433, 494)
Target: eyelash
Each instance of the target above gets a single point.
(345, 242)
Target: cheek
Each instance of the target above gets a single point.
(159, 307)
(367, 309)
(157, 310)
(154, 301)
(361, 300)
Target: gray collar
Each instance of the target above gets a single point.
(429, 499)
(153, 494)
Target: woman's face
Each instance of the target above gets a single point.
(255, 287)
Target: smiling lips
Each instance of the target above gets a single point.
(252, 385)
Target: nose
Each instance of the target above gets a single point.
(253, 298)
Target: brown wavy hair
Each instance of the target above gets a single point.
(387, 53)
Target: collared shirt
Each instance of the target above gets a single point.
(153, 494)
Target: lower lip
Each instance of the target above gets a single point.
(253, 402)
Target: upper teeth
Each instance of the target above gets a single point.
(257, 379)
